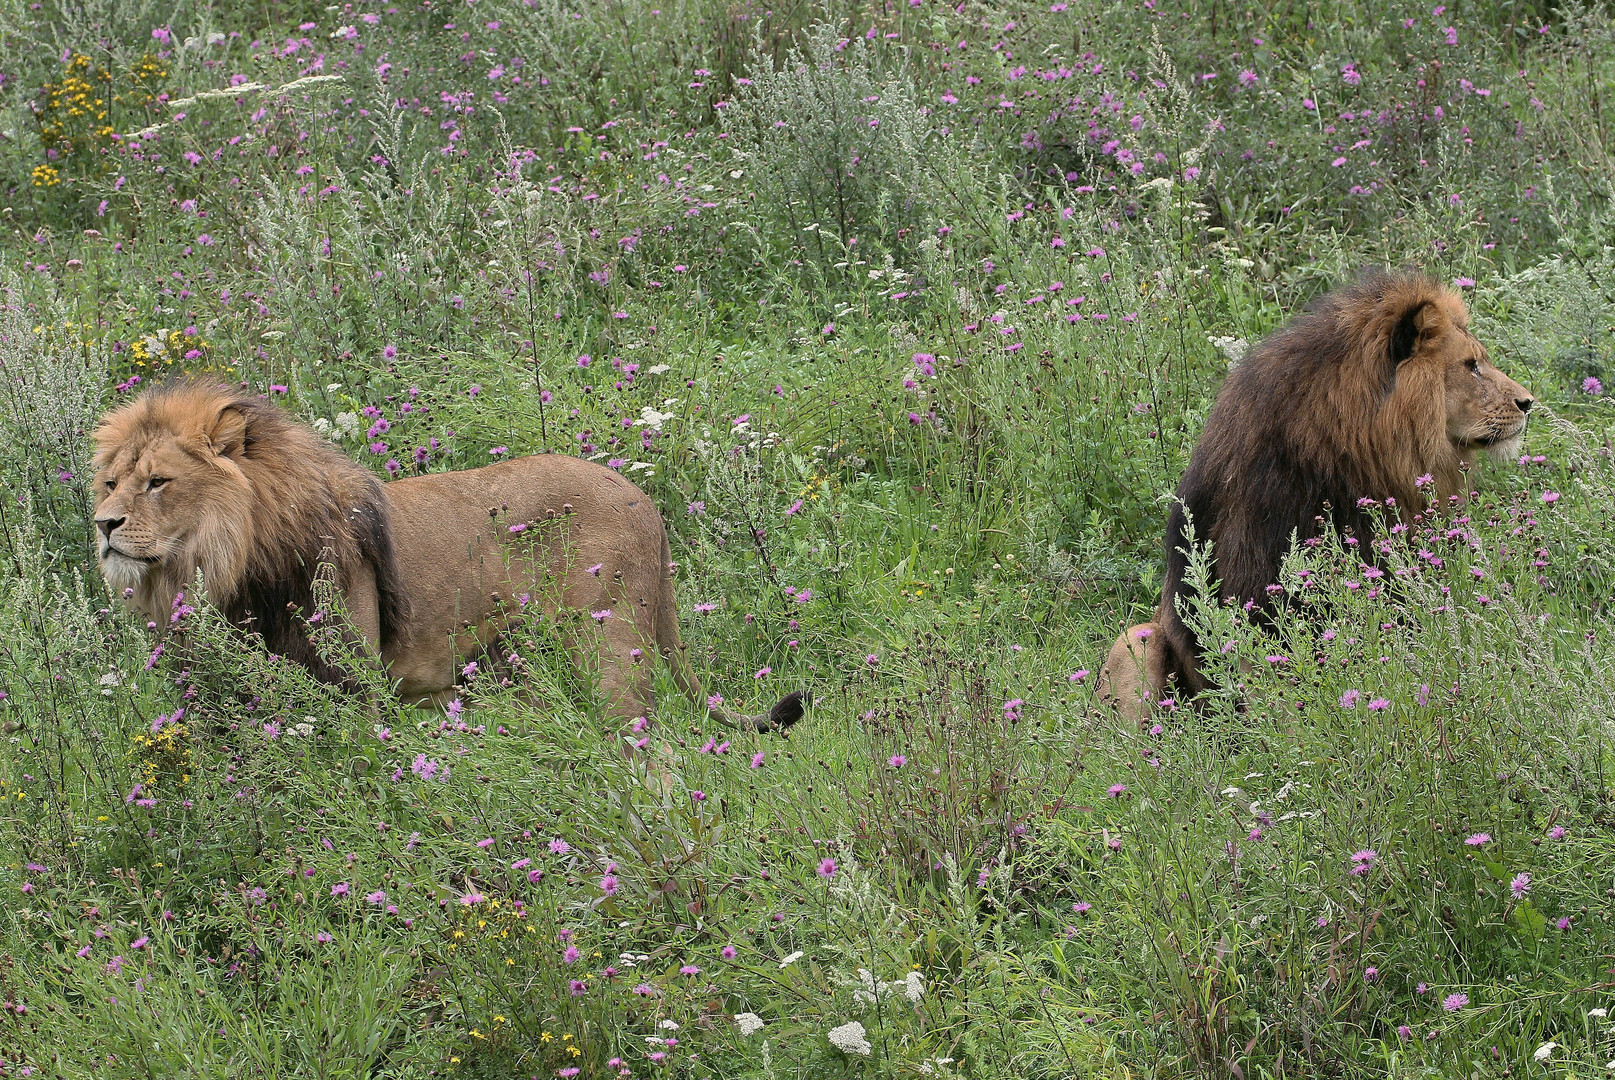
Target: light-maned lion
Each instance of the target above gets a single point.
(1375, 385)
(195, 476)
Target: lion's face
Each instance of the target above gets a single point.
(1485, 408)
(165, 501)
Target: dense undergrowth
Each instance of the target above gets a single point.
(907, 315)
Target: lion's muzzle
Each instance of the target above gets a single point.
(126, 552)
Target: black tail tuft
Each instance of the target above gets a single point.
(788, 710)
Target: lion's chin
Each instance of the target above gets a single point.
(1503, 449)
(121, 572)
(1506, 450)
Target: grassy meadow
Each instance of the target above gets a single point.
(907, 315)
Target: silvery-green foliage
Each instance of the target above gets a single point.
(50, 388)
(835, 139)
(410, 204)
(54, 608)
(1554, 316)
(1202, 612)
(50, 395)
(293, 241)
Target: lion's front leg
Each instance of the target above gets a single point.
(625, 670)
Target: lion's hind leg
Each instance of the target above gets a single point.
(1133, 677)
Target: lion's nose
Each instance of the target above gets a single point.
(108, 526)
(1525, 404)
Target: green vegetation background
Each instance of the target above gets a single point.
(907, 314)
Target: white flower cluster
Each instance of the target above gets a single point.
(651, 417)
(1233, 348)
(346, 425)
(749, 1023)
(850, 1039)
(871, 990)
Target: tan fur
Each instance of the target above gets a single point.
(1377, 384)
(430, 587)
(1133, 677)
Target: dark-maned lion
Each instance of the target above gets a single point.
(1377, 384)
(196, 476)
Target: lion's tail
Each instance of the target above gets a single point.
(786, 711)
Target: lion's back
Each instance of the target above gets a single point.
(522, 493)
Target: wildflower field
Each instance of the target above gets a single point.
(907, 315)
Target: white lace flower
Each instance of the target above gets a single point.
(749, 1023)
(914, 986)
(850, 1039)
(653, 418)
(1545, 1051)
(791, 959)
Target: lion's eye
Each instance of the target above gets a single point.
(156, 482)
(1472, 364)
(111, 484)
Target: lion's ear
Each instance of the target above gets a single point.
(1409, 325)
(228, 432)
